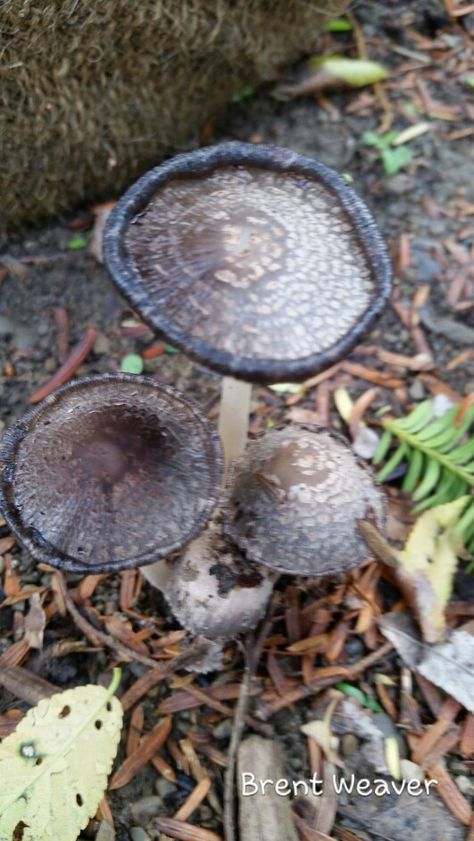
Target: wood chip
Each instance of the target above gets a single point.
(262, 817)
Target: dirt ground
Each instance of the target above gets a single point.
(429, 204)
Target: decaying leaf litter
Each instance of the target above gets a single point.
(320, 641)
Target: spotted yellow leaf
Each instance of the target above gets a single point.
(54, 767)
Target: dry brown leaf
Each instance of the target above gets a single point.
(449, 665)
(136, 761)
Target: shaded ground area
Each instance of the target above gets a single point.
(425, 212)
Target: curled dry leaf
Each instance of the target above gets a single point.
(425, 567)
(449, 665)
(54, 767)
(321, 732)
(328, 73)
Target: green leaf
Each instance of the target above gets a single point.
(355, 72)
(170, 349)
(370, 138)
(77, 242)
(54, 767)
(383, 447)
(245, 93)
(354, 692)
(132, 363)
(338, 25)
(393, 462)
(396, 159)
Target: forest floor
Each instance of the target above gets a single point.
(56, 288)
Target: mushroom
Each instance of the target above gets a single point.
(257, 262)
(213, 590)
(109, 472)
(297, 497)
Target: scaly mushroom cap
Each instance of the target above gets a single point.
(296, 498)
(258, 262)
(212, 590)
(109, 472)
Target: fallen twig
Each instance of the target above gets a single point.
(123, 651)
(69, 367)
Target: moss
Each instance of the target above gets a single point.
(94, 92)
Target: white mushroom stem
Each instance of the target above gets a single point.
(234, 417)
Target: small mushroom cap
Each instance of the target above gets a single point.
(258, 262)
(109, 472)
(212, 590)
(296, 498)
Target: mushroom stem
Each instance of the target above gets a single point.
(234, 417)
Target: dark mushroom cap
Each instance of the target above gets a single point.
(258, 262)
(108, 473)
(213, 590)
(296, 498)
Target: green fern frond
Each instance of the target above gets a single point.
(439, 457)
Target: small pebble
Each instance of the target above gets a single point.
(417, 390)
(101, 345)
(365, 442)
(411, 771)
(400, 184)
(50, 365)
(464, 784)
(349, 744)
(145, 809)
(441, 404)
(206, 814)
(137, 833)
(105, 832)
(224, 729)
(163, 787)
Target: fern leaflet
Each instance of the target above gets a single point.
(439, 456)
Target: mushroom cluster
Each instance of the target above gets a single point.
(264, 266)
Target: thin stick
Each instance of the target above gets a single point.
(99, 638)
(318, 684)
(252, 652)
(69, 367)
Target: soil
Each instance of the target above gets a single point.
(424, 201)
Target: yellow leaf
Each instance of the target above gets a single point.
(423, 545)
(428, 562)
(54, 767)
(344, 404)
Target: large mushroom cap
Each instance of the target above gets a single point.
(296, 499)
(214, 591)
(110, 472)
(258, 262)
